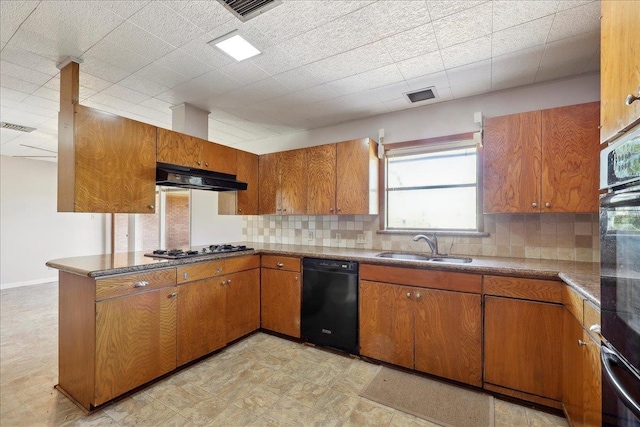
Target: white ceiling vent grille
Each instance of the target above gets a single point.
(14, 126)
(422, 94)
(245, 10)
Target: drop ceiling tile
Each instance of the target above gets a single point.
(382, 76)
(440, 8)
(244, 72)
(39, 102)
(391, 17)
(466, 53)
(562, 69)
(260, 91)
(578, 47)
(520, 37)
(352, 62)
(315, 94)
(396, 104)
(218, 82)
(199, 49)
(226, 139)
(42, 45)
(22, 73)
(411, 43)
(274, 60)
(90, 82)
(207, 15)
(392, 91)
(117, 55)
(184, 64)
(29, 60)
(86, 93)
(124, 9)
(9, 103)
(126, 94)
(478, 71)
(165, 23)
(24, 118)
(142, 85)
(348, 85)
(421, 65)
(89, 22)
(582, 19)
(569, 4)
(159, 74)
(12, 14)
(6, 136)
(438, 79)
(508, 13)
(218, 127)
(594, 63)
(184, 92)
(42, 112)
(139, 41)
(363, 99)
(14, 95)
(106, 100)
(153, 114)
(102, 70)
(158, 105)
(463, 26)
(298, 79)
(515, 69)
(471, 89)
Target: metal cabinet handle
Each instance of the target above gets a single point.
(184, 275)
(296, 278)
(631, 98)
(418, 295)
(151, 207)
(339, 209)
(408, 294)
(140, 284)
(580, 342)
(330, 209)
(280, 264)
(199, 162)
(173, 295)
(239, 209)
(228, 281)
(534, 205)
(548, 205)
(596, 329)
(206, 164)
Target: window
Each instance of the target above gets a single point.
(432, 187)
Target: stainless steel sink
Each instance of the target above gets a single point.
(403, 255)
(422, 257)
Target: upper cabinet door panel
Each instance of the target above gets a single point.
(269, 183)
(179, 149)
(321, 170)
(247, 201)
(570, 158)
(357, 177)
(219, 158)
(293, 182)
(115, 163)
(620, 66)
(512, 155)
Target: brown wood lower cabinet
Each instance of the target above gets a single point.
(243, 304)
(522, 347)
(430, 330)
(281, 301)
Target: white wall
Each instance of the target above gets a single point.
(444, 118)
(207, 227)
(32, 232)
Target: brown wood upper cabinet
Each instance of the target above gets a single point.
(283, 183)
(244, 202)
(620, 74)
(542, 161)
(184, 150)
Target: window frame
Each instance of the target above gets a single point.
(442, 140)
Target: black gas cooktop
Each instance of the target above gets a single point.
(209, 250)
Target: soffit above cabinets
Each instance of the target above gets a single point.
(322, 62)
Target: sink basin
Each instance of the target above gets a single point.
(456, 260)
(421, 257)
(402, 255)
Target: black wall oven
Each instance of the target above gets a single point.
(620, 281)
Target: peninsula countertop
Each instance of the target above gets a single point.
(584, 277)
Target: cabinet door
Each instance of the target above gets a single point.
(115, 163)
(357, 177)
(135, 341)
(522, 342)
(293, 182)
(448, 336)
(619, 66)
(179, 149)
(219, 158)
(280, 301)
(592, 382)
(201, 318)
(269, 172)
(386, 323)
(243, 303)
(321, 170)
(572, 381)
(570, 158)
(247, 200)
(511, 167)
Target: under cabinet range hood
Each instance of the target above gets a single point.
(197, 179)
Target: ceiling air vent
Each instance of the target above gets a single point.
(13, 126)
(248, 9)
(422, 94)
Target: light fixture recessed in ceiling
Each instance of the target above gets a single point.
(234, 45)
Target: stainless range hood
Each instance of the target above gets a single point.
(197, 179)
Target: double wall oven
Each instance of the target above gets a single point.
(620, 281)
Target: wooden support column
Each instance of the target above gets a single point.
(69, 96)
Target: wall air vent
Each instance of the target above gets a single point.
(13, 126)
(245, 10)
(422, 94)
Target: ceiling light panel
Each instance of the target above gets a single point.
(234, 45)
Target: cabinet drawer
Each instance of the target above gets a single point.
(281, 262)
(462, 282)
(132, 283)
(530, 289)
(232, 265)
(201, 270)
(573, 302)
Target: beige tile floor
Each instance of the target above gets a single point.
(260, 381)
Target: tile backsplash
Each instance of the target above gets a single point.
(573, 237)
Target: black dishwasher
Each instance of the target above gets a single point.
(330, 303)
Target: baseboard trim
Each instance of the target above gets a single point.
(4, 286)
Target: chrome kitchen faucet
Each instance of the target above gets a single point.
(431, 241)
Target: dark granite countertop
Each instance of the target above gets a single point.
(584, 277)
